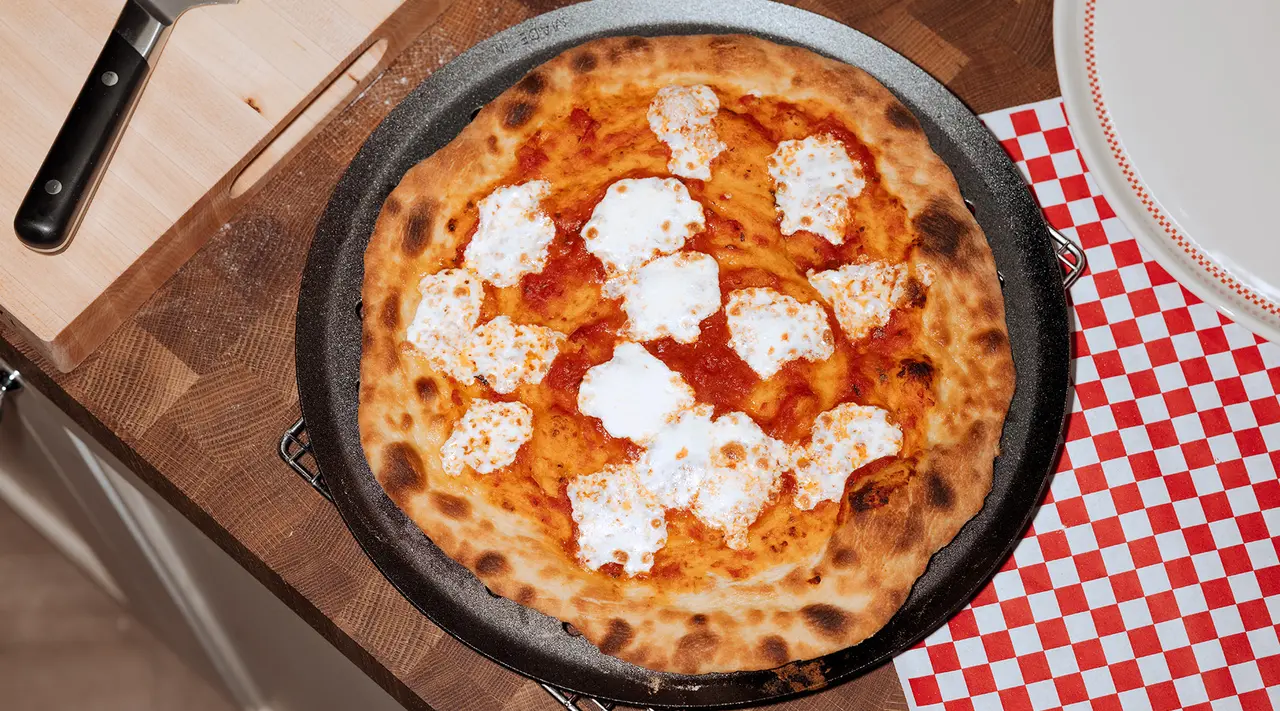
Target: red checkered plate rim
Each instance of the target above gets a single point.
(1121, 181)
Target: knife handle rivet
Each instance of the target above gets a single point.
(110, 78)
(53, 187)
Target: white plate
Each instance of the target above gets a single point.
(1175, 105)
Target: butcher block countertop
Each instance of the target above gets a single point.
(194, 391)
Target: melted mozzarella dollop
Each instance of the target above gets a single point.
(681, 116)
(488, 437)
(617, 521)
(508, 354)
(864, 295)
(767, 329)
(676, 462)
(639, 219)
(449, 309)
(669, 296)
(815, 178)
(725, 471)
(513, 235)
(633, 394)
(745, 470)
(845, 439)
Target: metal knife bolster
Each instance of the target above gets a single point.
(144, 30)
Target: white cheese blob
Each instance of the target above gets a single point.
(767, 329)
(513, 235)
(639, 219)
(814, 179)
(845, 439)
(681, 116)
(488, 437)
(864, 295)
(507, 354)
(744, 473)
(669, 296)
(724, 471)
(449, 309)
(633, 394)
(617, 521)
(676, 462)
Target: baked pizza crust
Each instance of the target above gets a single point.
(850, 587)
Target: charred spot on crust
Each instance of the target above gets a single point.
(417, 229)
(698, 620)
(774, 648)
(630, 45)
(941, 496)
(525, 595)
(915, 295)
(426, 389)
(491, 563)
(993, 341)
(826, 620)
(722, 42)
(917, 371)
(401, 473)
(869, 498)
(993, 309)
(897, 596)
(941, 230)
(911, 532)
(584, 62)
(454, 507)
(694, 648)
(406, 421)
(392, 206)
(492, 141)
(844, 558)
(391, 310)
(619, 635)
(518, 114)
(901, 117)
(533, 83)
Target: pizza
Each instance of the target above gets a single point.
(691, 343)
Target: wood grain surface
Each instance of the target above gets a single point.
(194, 391)
(228, 81)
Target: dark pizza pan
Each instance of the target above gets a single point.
(328, 353)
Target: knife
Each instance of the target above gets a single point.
(60, 194)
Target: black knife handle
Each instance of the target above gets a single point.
(60, 194)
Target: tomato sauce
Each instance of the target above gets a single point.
(710, 365)
(583, 125)
(530, 158)
(569, 264)
(799, 406)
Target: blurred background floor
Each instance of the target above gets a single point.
(67, 644)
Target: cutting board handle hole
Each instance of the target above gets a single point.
(342, 88)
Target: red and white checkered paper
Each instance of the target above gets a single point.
(1150, 577)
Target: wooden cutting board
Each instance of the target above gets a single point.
(231, 80)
